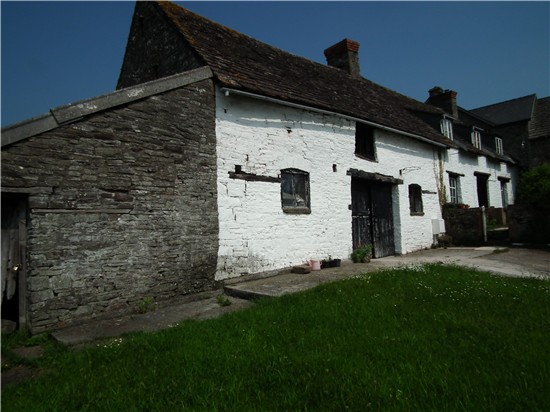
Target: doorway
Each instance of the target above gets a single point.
(13, 281)
(482, 181)
(372, 216)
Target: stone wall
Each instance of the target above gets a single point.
(528, 224)
(122, 207)
(465, 226)
(155, 49)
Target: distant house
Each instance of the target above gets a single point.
(524, 126)
(220, 156)
(479, 171)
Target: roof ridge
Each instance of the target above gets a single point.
(241, 62)
(505, 101)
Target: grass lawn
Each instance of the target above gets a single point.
(426, 338)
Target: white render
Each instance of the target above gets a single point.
(467, 164)
(264, 138)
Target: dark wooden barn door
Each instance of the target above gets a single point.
(361, 206)
(372, 216)
(382, 220)
(13, 259)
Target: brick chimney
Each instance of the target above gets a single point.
(444, 99)
(344, 55)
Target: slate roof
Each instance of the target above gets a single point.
(541, 121)
(510, 111)
(241, 62)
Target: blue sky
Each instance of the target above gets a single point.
(54, 53)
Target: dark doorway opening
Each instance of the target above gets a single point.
(14, 225)
(482, 189)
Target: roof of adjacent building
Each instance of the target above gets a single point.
(241, 62)
(541, 121)
(509, 111)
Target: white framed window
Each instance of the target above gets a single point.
(454, 188)
(447, 127)
(498, 145)
(476, 138)
(295, 191)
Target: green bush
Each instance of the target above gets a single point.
(534, 186)
(358, 255)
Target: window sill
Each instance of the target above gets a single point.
(417, 213)
(365, 157)
(297, 210)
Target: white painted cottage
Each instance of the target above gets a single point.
(220, 156)
(314, 160)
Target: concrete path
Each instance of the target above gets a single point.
(501, 261)
(508, 262)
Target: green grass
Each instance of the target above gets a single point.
(426, 338)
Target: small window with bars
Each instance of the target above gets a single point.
(415, 200)
(295, 191)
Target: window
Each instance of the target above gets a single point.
(454, 188)
(447, 127)
(498, 145)
(415, 200)
(295, 191)
(364, 141)
(476, 138)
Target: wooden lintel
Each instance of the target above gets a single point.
(251, 177)
(108, 211)
(376, 177)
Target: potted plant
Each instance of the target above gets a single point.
(362, 254)
(330, 263)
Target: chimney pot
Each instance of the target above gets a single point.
(444, 99)
(344, 55)
(434, 91)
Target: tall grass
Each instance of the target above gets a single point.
(426, 338)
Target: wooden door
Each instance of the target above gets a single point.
(13, 259)
(372, 216)
(361, 216)
(382, 220)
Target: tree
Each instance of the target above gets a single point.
(534, 187)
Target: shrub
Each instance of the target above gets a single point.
(534, 186)
(358, 255)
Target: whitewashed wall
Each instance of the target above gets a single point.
(467, 165)
(264, 138)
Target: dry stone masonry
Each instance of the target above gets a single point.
(124, 207)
